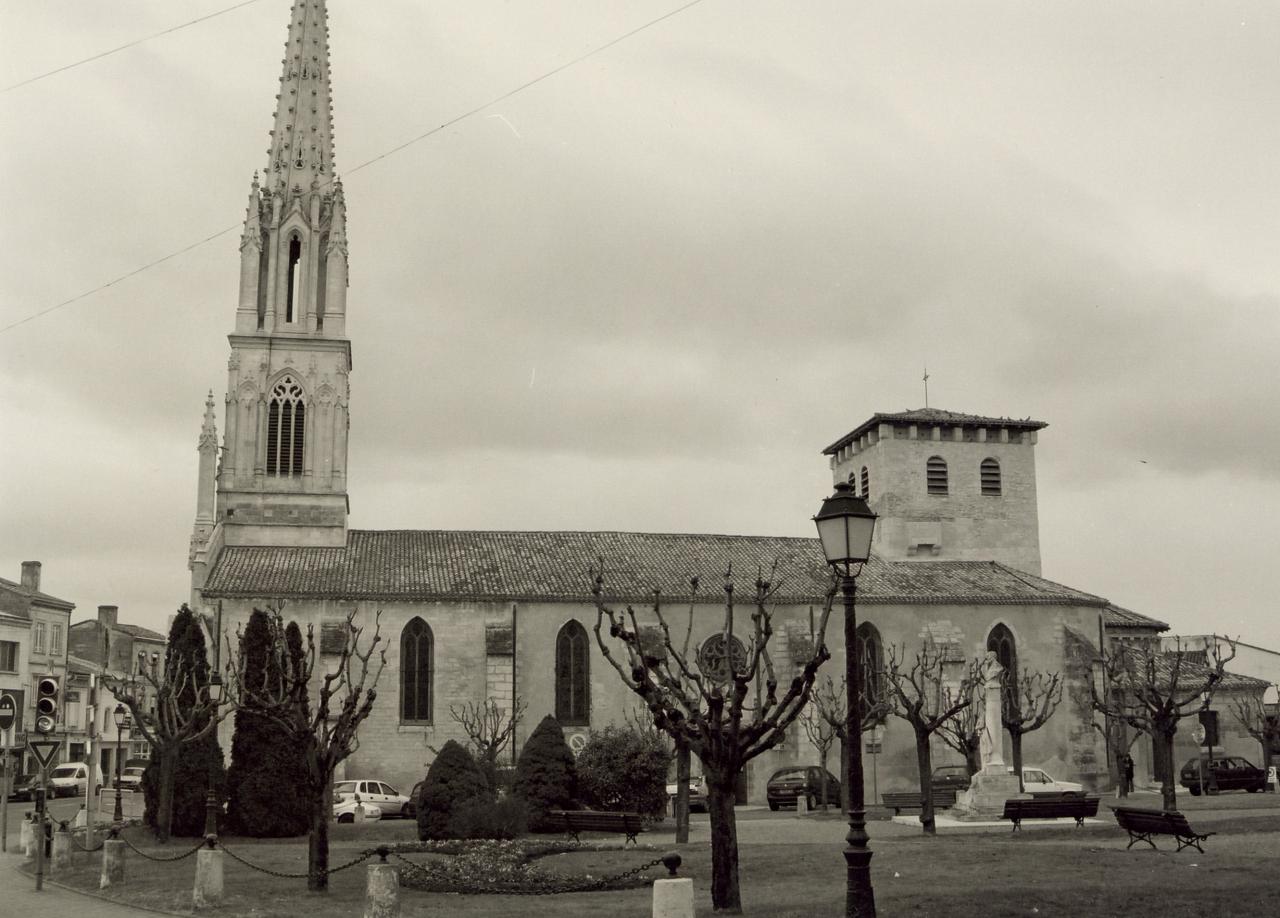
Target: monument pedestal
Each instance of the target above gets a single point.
(986, 795)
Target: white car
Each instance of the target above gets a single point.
(697, 794)
(373, 793)
(1039, 781)
(70, 780)
(345, 811)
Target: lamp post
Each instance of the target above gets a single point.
(118, 715)
(845, 526)
(211, 799)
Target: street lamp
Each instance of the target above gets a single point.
(119, 715)
(211, 799)
(845, 525)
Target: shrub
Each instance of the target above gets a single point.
(453, 779)
(546, 778)
(621, 768)
(483, 818)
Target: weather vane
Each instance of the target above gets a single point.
(926, 385)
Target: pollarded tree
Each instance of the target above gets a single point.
(1026, 704)
(924, 698)
(963, 733)
(489, 727)
(830, 701)
(172, 710)
(546, 773)
(266, 796)
(727, 709)
(1151, 690)
(326, 733)
(1251, 713)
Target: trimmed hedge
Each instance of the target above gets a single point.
(454, 782)
(546, 774)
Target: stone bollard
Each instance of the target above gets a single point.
(673, 898)
(61, 859)
(802, 804)
(82, 818)
(382, 891)
(208, 889)
(26, 840)
(112, 863)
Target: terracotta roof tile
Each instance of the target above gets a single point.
(1117, 616)
(932, 416)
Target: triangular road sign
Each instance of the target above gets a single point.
(44, 750)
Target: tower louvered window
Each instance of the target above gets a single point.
(936, 475)
(866, 483)
(286, 428)
(990, 477)
(417, 662)
(573, 683)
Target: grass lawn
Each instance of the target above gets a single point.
(1042, 872)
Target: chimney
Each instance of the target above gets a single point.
(31, 576)
(107, 615)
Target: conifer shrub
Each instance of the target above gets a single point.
(453, 781)
(482, 817)
(546, 777)
(622, 768)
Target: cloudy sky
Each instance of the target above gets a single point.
(644, 292)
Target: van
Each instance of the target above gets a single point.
(72, 780)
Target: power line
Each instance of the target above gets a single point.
(368, 162)
(137, 41)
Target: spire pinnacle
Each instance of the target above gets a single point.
(302, 138)
(209, 429)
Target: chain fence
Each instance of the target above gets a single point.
(364, 856)
(160, 860)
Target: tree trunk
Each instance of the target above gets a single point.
(1015, 742)
(822, 758)
(845, 783)
(972, 758)
(924, 762)
(164, 800)
(725, 894)
(318, 842)
(682, 793)
(1168, 790)
(1122, 785)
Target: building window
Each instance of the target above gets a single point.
(286, 428)
(870, 649)
(295, 278)
(55, 639)
(936, 475)
(8, 656)
(417, 665)
(37, 637)
(573, 675)
(720, 659)
(866, 483)
(1000, 642)
(990, 470)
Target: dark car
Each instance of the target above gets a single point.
(950, 777)
(811, 782)
(1231, 772)
(24, 787)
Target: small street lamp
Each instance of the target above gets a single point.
(119, 715)
(845, 526)
(211, 799)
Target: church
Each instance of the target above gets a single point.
(470, 615)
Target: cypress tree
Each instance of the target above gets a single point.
(194, 760)
(266, 784)
(454, 778)
(546, 774)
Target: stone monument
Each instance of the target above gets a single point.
(994, 783)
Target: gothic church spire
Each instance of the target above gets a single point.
(302, 138)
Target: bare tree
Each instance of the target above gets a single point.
(489, 728)
(1027, 703)
(1151, 690)
(820, 730)
(1251, 713)
(922, 697)
(830, 704)
(170, 707)
(347, 681)
(963, 733)
(709, 705)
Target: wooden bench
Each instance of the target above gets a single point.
(1142, 824)
(575, 821)
(1050, 806)
(911, 800)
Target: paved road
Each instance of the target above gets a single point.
(21, 898)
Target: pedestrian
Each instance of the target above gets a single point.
(1127, 762)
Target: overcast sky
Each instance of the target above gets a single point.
(645, 293)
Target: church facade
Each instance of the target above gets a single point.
(470, 615)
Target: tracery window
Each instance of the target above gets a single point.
(417, 666)
(1000, 642)
(286, 428)
(716, 657)
(870, 649)
(573, 675)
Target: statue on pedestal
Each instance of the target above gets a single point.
(990, 746)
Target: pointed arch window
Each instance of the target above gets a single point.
(870, 649)
(417, 669)
(295, 279)
(286, 428)
(1000, 642)
(990, 474)
(573, 676)
(936, 475)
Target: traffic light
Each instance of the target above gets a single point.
(48, 700)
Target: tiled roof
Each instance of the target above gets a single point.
(1192, 672)
(552, 567)
(139, 632)
(1117, 616)
(932, 416)
(43, 599)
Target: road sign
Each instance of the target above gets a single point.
(8, 711)
(44, 750)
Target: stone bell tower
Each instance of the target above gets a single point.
(282, 476)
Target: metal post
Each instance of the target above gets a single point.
(7, 788)
(118, 816)
(859, 897)
(39, 833)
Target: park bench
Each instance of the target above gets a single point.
(575, 821)
(1142, 824)
(1050, 806)
(910, 800)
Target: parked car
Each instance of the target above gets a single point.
(697, 794)
(1231, 772)
(345, 810)
(24, 787)
(1038, 781)
(131, 778)
(950, 777)
(789, 784)
(71, 780)
(374, 793)
(414, 796)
